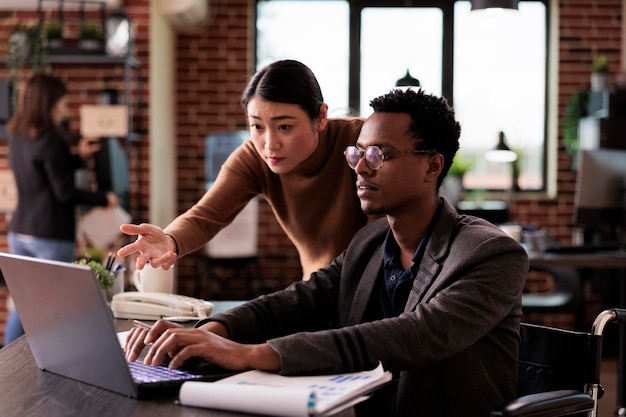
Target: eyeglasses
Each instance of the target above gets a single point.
(374, 156)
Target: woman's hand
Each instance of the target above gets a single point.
(181, 344)
(112, 200)
(140, 337)
(88, 146)
(152, 245)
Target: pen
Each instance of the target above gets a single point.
(109, 262)
(138, 323)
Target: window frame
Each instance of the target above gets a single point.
(447, 87)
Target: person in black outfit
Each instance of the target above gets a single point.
(44, 222)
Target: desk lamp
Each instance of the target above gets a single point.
(502, 152)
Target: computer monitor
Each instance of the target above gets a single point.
(218, 147)
(600, 197)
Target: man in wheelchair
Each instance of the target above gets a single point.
(434, 295)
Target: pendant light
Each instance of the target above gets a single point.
(408, 81)
(494, 4)
(502, 152)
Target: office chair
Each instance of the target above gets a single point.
(564, 297)
(559, 370)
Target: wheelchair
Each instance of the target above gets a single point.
(559, 370)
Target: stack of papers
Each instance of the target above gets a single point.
(101, 225)
(267, 393)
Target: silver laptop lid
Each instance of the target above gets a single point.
(67, 322)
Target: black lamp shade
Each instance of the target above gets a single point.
(490, 4)
(502, 146)
(502, 152)
(408, 81)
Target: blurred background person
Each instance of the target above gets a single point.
(44, 223)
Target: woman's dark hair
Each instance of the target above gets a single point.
(289, 82)
(34, 115)
(433, 125)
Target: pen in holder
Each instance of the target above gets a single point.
(120, 278)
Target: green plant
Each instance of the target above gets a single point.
(477, 195)
(106, 279)
(460, 166)
(576, 109)
(25, 47)
(19, 52)
(90, 31)
(600, 64)
(53, 30)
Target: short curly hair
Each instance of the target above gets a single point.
(433, 125)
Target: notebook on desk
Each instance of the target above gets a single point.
(70, 330)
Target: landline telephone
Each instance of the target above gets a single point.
(158, 305)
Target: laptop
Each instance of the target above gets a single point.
(70, 329)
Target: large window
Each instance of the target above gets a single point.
(396, 40)
(492, 68)
(315, 33)
(500, 86)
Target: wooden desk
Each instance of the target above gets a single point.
(27, 391)
(596, 261)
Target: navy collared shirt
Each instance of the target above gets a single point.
(394, 288)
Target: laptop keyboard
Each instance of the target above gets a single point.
(146, 374)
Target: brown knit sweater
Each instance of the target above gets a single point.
(316, 203)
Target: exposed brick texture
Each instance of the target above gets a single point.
(213, 66)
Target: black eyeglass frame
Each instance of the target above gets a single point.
(380, 154)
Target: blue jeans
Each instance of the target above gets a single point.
(57, 250)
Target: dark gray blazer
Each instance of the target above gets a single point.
(454, 349)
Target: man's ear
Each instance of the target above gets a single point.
(322, 119)
(434, 167)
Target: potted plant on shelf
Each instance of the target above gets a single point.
(25, 48)
(90, 36)
(600, 74)
(54, 34)
(19, 45)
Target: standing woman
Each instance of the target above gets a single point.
(44, 222)
(294, 158)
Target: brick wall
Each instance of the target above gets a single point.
(586, 29)
(85, 84)
(213, 66)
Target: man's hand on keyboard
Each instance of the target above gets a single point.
(181, 344)
(140, 337)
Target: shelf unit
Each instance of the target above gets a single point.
(130, 64)
(132, 73)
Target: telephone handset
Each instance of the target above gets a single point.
(158, 305)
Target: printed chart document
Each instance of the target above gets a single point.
(290, 396)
